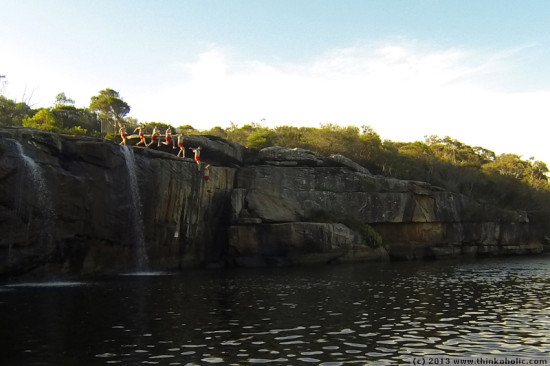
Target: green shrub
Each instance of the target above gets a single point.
(75, 131)
(43, 120)
(371, 236)
(113, 137)
(260, 138)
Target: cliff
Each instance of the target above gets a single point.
(84, 205)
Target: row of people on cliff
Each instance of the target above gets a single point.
(155, 136)
(168, 139)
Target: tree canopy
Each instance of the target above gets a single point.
(110, 108)
(12, 113)
(43, 120)
(62, 99)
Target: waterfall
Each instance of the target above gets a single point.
(142, 261)
(40, 195)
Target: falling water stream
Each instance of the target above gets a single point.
(43, 216)
(142, 261)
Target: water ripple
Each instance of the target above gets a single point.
(379, 315)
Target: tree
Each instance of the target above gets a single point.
(260, 138)
(216, 131)
(240, 134)
(130, 122)
(289, 136)
(536, 174)
(417, 150)
(486, 155)
(90, 121)
(508, 165)
(458, 153)
(66, 115)
(70, 118)
(111, 109)
(44, 120)
(62, 99)
(371, 146)
(160, 125)
(12, 113)
(3, 83)
(188, 130)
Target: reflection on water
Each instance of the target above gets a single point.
(148, 273)
(329, 315)
(47, 284)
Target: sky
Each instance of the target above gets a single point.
(475, 70)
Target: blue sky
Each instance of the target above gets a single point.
(475, 70)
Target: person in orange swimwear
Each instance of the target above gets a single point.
(141, 137)
(168, 138)
(180, 145)
(155, 137)
(123, 135)
(197, 152)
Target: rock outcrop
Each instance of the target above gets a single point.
(414, 219)
(84, 205)
(87, 205)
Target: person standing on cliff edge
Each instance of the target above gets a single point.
(180, 145)
(123, 135)
(197, 152)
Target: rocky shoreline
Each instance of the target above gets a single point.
(82, 205)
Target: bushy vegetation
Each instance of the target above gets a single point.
(103, 118)
(371, 236)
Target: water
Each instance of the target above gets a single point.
(356, 314)
(142, 260)
(39, 186)
(30, 180)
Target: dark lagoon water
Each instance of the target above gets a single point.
(359, 314)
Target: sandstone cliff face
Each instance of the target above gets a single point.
(415, 220)
(85, 205)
